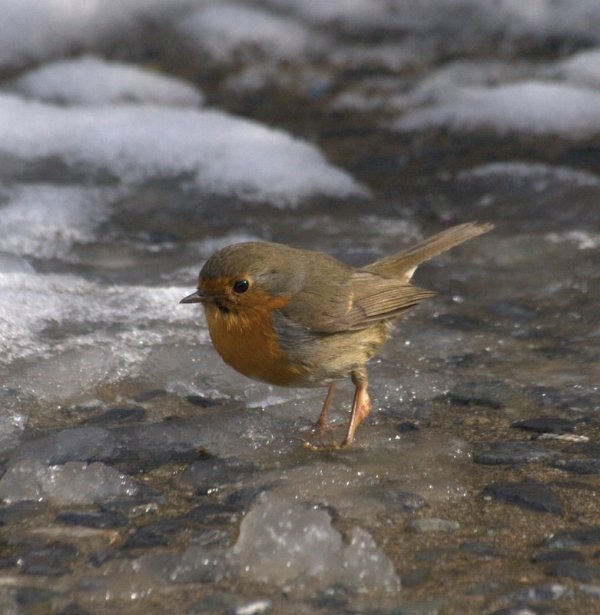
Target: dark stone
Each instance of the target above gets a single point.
(148, 395)
(578, 466)
(535, 594)
(211, 538)
(102, 556)
(73, 609)
(415, 577)
(468, 359)
(333, 598)
(483, 392)
(558, 555)
(208, 474)
(33, 595)
(407, 427)
(156, 444)
(243, 498)
(404, 499)
(100, 519)
(462, 322)
(586, 449)
(578, 571)
(8, 562)
(203, 402)
(118, 415)
(566, 399)
(546, 424)
(153, 535)
(51, 559)
(480, 550)
(211, 514)
(580, 537)
(528, 494)
(89, 443)
(457, 399)
(19, 511)
(514, 310)
(511, 453)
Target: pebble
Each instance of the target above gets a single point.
(528, 494)
(532, 597)
(149, 395)
(153, 535)
(480, 550)
(203, 402)
(99, 519)
(73, 609)
(433, 524)
(415, 577)
(404, 499)
(580, 537)
(88, 443)
(546, 424)
(51, 559)
(487, 393)
(127, 414)
(578, 571)
(209, 474)
(496, 453)
(567, 399)
(458, 399)
(558, 555)
(210, 537)
(211, 513)
(578, 466)
(26, 596)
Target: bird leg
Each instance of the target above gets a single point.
(322, 423)
(361, 405)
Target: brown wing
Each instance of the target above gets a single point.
(377, 298)
(360, 300)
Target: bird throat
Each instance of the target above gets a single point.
(245, 338)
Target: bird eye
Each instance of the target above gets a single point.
(241, 286)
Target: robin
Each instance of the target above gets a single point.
(302, 318)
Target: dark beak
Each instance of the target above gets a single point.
(196, 297)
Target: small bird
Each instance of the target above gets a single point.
(302, 318)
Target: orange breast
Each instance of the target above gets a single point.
(246, 340)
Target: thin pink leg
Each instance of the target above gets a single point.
(361, 405)
(322, 423)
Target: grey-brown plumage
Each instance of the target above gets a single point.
(302, 318)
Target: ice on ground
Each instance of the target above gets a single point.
(44, 220)
(530, 107)
(33, 30)
(515, 20)
(284, 543)
(224, 30)
(74, 483)
(31, 304)
(357, 11)
(91, 80)
(222, 154)
(540, 176)
(584, 240)
(78, 444)
(582, 68)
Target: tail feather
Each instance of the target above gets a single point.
(403, 264)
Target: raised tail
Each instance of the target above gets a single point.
(402, 265)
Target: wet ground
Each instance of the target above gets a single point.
(141, 475)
